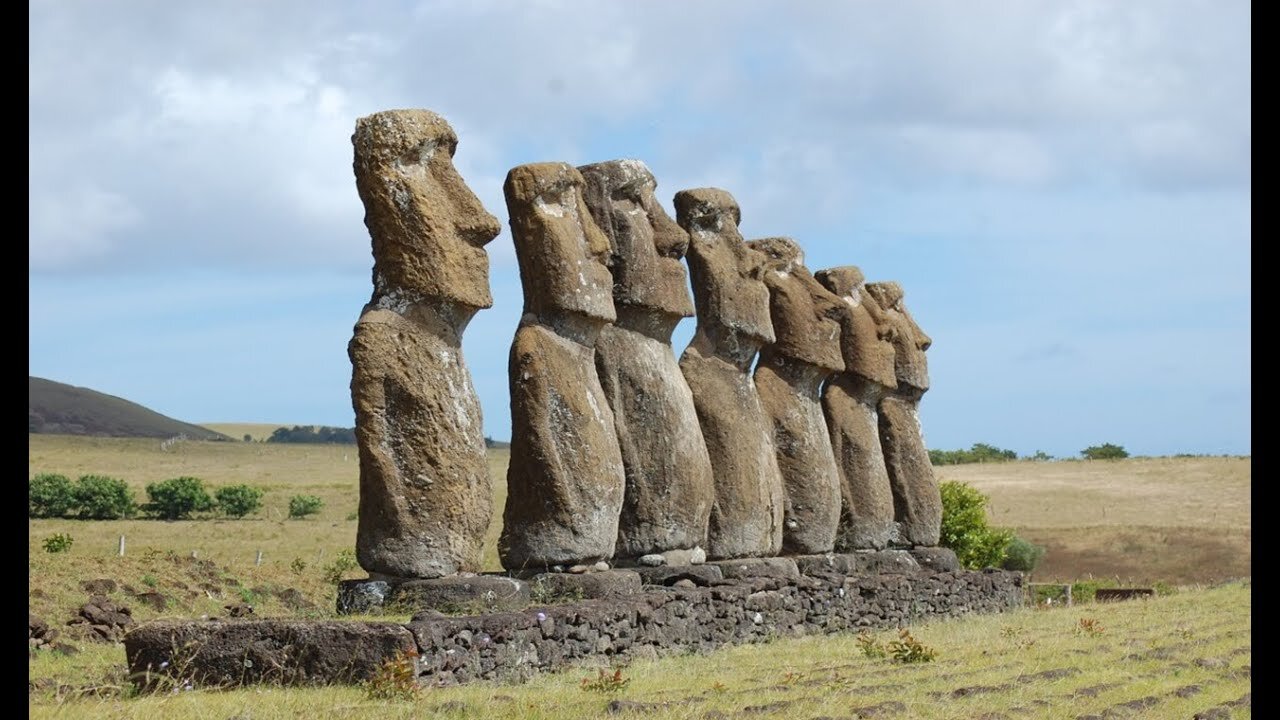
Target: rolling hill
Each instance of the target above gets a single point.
(58, 408)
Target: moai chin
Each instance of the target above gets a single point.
(425, 491)
(565, 479)
(789, 377)
(849, 401)
(916, 499)
(667, 502)
(733, 324)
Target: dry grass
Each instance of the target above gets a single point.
(1177, 520)
(1172, 656)
(236, 431)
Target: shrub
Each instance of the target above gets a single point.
(965, 529)
(1022, 555)
(99, 497)
(606, 682)
(239, 500)
(978, 453)
(50, 496)
(395, 679)
(1106, 451)
(907, 649)
(304, 505)
(58, 542)
(178, 497)
(334, 571)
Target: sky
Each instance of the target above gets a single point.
(1062, 188)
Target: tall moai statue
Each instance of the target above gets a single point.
(789, 378)
(669, 490)
(425, 491)
(850, 400)
(917, 502)
(565, 479)
(733, 324)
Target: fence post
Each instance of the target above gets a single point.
(258, 560)
(121, 550)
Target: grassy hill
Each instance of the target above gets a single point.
(58, 408)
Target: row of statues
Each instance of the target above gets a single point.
(789, 425)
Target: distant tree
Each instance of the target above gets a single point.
(177, 498)
(1040, 456)
(99, 497)
(980, 452)
(1106, 451)
(50, 496)
(239, 500)
(314, 434)
(248, 437)
(303, 505)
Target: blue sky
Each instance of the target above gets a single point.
(1062, 188)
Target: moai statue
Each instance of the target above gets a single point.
(425, 492)
(565, 480)
(733, 323)
(668, 490)
(850, 400)
(917, 504)
(789, 377)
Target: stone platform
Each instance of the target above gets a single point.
(658, 620)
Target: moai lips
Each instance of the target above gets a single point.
(565, 479)
(669, 490)
(425, 491)
(849, 402)
(789, 379)
(733, 323)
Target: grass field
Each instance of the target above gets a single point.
(1181, 521)
(1168, 657)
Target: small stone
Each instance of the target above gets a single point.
(652, 560)
(579, 569)
(697, 556)
(600, 566)
(684, 583)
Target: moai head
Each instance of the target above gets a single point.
(804, 313)
(732, 299)
(645, 244)
(865, 338)
(909, 341)
(562, 253)
(429, 230)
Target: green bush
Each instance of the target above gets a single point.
(303, 505)
(99, 497)
(58, 542)
(50, 496)
(1106, 451)
(978, 453)
(965, 529)
(177, 498)
(239, 500)
(1022, 555)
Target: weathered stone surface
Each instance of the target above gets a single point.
(789, 378)
(917, 502)
(565, 480)
(513, 645)
(362, 596)
(425, 499)
(936, 559)
(609, 583)
(733, 323)
(701, 575)
(667, 502)
(776, 567)
(291, 652)
(101, 620)
(849, 402)
(884, 562)
(471, 594)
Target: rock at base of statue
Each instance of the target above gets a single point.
(779, 567)
(458, 594)
(558, 587)
(936, 559)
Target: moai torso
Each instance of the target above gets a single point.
(849, 402)
(789, 378)
(916, 499)
(425, 491)
(668, 495)
(565, 479)
(733, 323)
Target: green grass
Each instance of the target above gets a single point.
(1030, 663)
